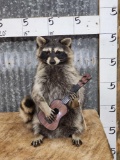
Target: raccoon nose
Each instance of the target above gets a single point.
(52, 61)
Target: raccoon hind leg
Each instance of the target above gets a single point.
(27, 109)
(76, 140)
(79, 124)
(37, 141)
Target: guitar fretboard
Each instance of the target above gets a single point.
(66, 99)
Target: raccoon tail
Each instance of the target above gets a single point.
(27, 109)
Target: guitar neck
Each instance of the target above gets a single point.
(66, 99)
(76, 87)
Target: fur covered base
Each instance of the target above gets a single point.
(15, 141)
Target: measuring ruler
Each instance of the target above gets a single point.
(108, 69)
(47, 26)
(106, 26)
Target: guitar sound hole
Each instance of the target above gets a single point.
(56, 110)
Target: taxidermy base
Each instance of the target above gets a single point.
(15, 141)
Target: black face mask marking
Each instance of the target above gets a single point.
(62, 56)
(44, 55)
(52, 57)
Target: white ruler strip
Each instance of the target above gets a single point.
(111, 135)
(108, 3)
(10, 27)
(108, 69)
(108, 111)
(108, 20)
(22, 27)
(34, 26)
(108, 45)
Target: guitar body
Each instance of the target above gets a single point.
(60, 109)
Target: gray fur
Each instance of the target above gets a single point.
(54, 82)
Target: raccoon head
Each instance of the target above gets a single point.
(54, 52)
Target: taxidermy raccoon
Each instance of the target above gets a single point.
(54, 78)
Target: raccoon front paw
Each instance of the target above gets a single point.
(51, 117)
(73, 103)
(72, 96)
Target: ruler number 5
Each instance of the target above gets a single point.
(78, 21)
(113, 150)
(112, 108)
(114, 11)
(50, 20)
(113, 62)
(112, 130)
(1, 24)
(25, 22)
(113, 36)
(112, 85)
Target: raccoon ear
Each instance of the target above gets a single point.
(41, 41)
(66, 41)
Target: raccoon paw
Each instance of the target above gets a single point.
(76, 141)
(37, 142)
(73, 103)
(51, 116)
(72, 96)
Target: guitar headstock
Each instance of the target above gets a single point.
(84, 80)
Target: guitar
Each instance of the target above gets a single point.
(59, 106)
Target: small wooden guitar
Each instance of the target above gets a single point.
(59, 106)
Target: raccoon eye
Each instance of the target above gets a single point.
(46, 52)
(44, 55)
(58, 52)
(61, 55)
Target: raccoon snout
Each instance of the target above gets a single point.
(52, 61)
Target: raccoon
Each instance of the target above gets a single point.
(55, 75)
